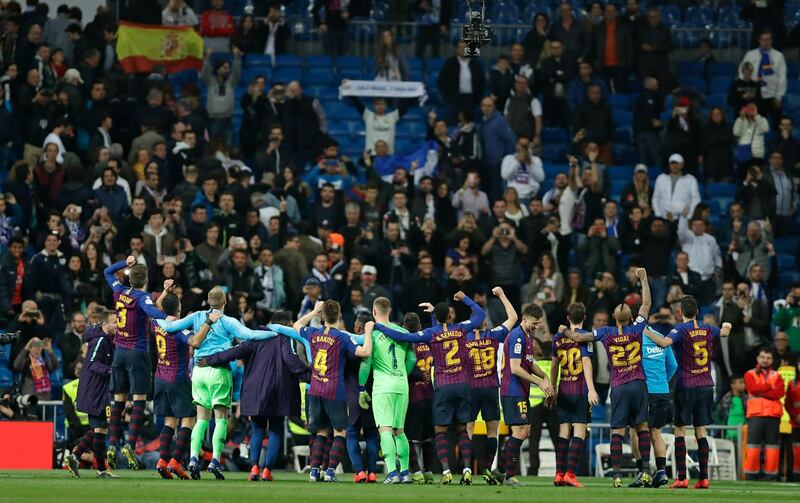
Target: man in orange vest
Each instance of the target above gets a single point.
(792, 404)
(765, 388)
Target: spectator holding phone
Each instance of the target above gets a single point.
(35, 362)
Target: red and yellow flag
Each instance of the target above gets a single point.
(141, 46)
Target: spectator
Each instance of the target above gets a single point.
(744, 90)
(576, 91)
(688, 280)
(36, 362)
(717, 146)
(574, 38)
(732, 406)
(240, 279)
(462, 253)
(757, 194)
(785, 358)
(730, 308)
(390, 64)
(470, 198)
(770, 70)
(221, 85)
(593, 122)
(461, 82)
(787, 316)
(523, 171)
(433, 18)
(787, 145)
(537, 40)
(524, 112)
(177, 13)
(546, 287)
(111, 195)
(647, 123)
(504, 252)
(675, 193)
(654, 44)
(70, 345)
(217, 27)
(250, 36)
(637, 193)
(613, 50)
(782, 209)
(605, 294)
(597, 253)
(575, 290)
(755, 249)
(370, 288)
(379, 125)
(767, 17)
(422, 287)
(703, 252)
(555, 73)
(765, 388)
(749, 130)
(683, 134)
(333, 27)
(501, 81)
(306, 124)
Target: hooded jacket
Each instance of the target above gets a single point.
(95, 378)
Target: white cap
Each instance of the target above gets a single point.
(73, 73)
(676, 158)
(369, 269)
(640, 167)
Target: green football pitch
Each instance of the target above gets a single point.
(56, 486)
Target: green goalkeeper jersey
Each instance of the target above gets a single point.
(391, 363)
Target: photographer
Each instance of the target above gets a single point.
(275, 157)
(598, 252)
(749, 130)
(504, 252)
(523, 171)
(756, 193)
(30, 325)
(35, 362)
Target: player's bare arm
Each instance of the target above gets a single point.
(197, 339)
(365, 350)
(659, 339)
(305, 320)
(647, 300)
(541, 381)
(574, 336)
(594, 399)
(511, 313)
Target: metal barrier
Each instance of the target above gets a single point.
(54, 406)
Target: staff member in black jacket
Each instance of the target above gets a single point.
(461, 82)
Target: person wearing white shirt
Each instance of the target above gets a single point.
(675, 194)
(523, 171)
(177, 13)
(561, 200)
(770, 69)
(60, 127)
(705, 257)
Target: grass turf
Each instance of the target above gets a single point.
(42, 486)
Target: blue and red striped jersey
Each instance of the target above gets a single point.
(624, 347)
(570, 354)
(133, 308)
(329, 349)
(517, 346)
(693, 346)
(422, 390)
(172, 354)
(482, 350)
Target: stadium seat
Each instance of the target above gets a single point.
(257, 61)
(554, 153)
(719, 85)
(786, 263)
(317, 76)
(722, 70)
(689, 68)
(286, 74)
(322, 61)
(715, 190)
(554, 135)
(551, 170)
(622, 118)
(782, 245)
(699, 16)
(285, 60)
(621, 101)
(6, 377)
(670, 14)
(620, 172)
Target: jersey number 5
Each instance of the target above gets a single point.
(321, 362)
(700, 353)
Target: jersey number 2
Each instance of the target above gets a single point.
(625, 356)
(451, 357)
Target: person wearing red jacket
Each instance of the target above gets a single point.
(217, 27)
(765, 388)
(792, 404)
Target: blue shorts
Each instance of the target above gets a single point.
(326, 413)
(173, 399)
(515, 410)
(131, 372)
(659, 410)
(573, 409)
(452, 405)
(628, 404)
(694, 406)
(486, 402)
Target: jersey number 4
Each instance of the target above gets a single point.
(321, 362)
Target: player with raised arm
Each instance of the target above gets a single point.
(574, 362)
(326, 398)
(131, 371)
(482, 348)
(172, 396)
(623, 343)
(391, 363)
(694, 388)
(211, 386)
(519, 372)
(451, 398)
(419, 418)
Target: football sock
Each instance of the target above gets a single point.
(513, 446)
(680, 457)
(115, 422)
(165, 442)
(644, 450)
(354, 449)
(84, 444)
(317, 449)
(442, 450)
(616, 453)
(562, 447)
(337, 452)
(218, 438)
(137, 418)
(326, 454)
(389, 449)
(413, 462)
(491, 452)
(575, 454)
(99, 450)
(373, 446)
(198, 435)
(428, 455)
(182, 439)
(501, 464)
(465, 447)
(403, 451)
(702, 449)
(661, 463)
(796, 451)
(256, 442)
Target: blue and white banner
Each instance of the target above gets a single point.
(381, 89)
(420, 162)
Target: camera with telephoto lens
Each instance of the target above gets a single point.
(9, 338)
(475, 34)
(23, 406)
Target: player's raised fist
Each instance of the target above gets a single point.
(498, 291)
(318, 306)
(130, 260)
(168, 284)
(727, 326)
(427, 307)
(641, 273)
(459, 296)
(562, 329)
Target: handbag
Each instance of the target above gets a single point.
(744, 153)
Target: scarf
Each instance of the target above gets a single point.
(765, 65)
(39, 374)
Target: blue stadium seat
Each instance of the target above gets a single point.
(286, 74)
(623, 135)
(57, 377)
(693, 81)
(786, 263)
(554, 135)
(689, 68)
(554, 153)
(620, 172)
(714, 206)
(719, 85)
(699, 16)
(221, 56)
(717, 100)
(621, 101)
(6, 377)
(317, 76)
(624, 154)
(250, 74)
(670, 14)
(617, 187)
(346, 113)
(722, 70)
(415, 114)
(731, 17)
(785, 245)
(721, 190)
(5, 355)
(319, 61)
(257, 61)
(285, 60)
(623, 118)
(339, 129)
(551, 170)
(352, 73)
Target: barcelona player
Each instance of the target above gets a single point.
(482, 348)
(451, 399)
(623, 343)
(519, 372)
(694, 389)
(131, 371)
(574, 362)
(419, 418)
(326, 398)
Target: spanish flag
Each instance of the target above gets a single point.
(142, 46)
